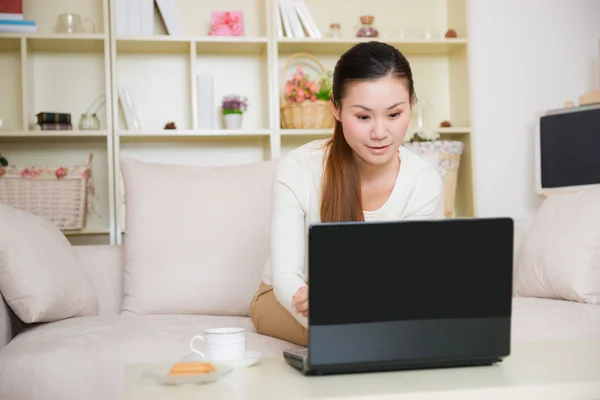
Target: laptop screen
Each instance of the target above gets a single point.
(570, 148)
(380, 272)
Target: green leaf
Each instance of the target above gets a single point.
(230, 111)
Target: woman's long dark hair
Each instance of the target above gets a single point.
(341, 191)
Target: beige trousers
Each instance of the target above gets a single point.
(270, 318)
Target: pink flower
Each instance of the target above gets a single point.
(29, 173)
(85, 174)
(300, 87)
(61, 173)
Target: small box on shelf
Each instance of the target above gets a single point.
(227, 23)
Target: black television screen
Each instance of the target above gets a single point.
(570, 148)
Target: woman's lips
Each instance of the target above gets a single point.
(378, 149)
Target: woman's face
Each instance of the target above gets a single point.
(375, 116)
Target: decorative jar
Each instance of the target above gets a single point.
(367, 29)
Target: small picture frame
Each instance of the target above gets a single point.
(227, 23)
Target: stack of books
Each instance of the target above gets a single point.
(136, 17)
(295, 21)
(51, 121)
(11, 17)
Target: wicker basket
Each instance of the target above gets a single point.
(445, 155)
(308, 114)
(57, 194)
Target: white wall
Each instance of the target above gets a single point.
(526, 56)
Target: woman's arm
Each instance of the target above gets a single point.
(288, 234)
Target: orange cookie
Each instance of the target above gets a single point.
(191, 368)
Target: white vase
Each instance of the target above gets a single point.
(233, 121)
(444, 155)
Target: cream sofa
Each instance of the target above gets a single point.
(83, 357)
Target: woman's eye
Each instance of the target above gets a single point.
(395, 115)
(363, 117)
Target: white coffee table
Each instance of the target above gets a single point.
(557, 370)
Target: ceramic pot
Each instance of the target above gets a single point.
(233, 121)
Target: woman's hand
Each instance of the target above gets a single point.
(300, 301)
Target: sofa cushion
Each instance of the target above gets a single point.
(104, 265)
(548, 320)
(196, 238)
(560, 258)
(84, 358)
(40, 277)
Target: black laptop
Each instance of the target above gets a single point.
(407, 295)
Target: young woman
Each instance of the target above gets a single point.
(361, 174)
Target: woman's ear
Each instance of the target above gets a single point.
(334, 110)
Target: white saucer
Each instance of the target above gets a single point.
(252, 357)
(160, 374)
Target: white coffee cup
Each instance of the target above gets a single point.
(224, 344)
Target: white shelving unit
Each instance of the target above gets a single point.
(160, 73)
(50, 72)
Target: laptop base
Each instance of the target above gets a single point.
(298, 359)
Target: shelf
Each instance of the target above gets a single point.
(464, 130)
(87, 232)
(196, 133)
(67, 43)
(326, 132)
(306, 132)
(54, 42)
(407, 47)
(9, 43)
(181, 44)
(51, 134)
(231, 45)
(153, 44)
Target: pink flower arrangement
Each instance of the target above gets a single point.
(300, 87)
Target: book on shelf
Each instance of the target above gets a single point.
(132, 118)
(11, 9)
(134, 17)
(205, 101)
(170, 17)
(17, 25)
(11, 16)
(296, 21)
(53, 117)
(56, 126)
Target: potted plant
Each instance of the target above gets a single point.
(233, 107)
